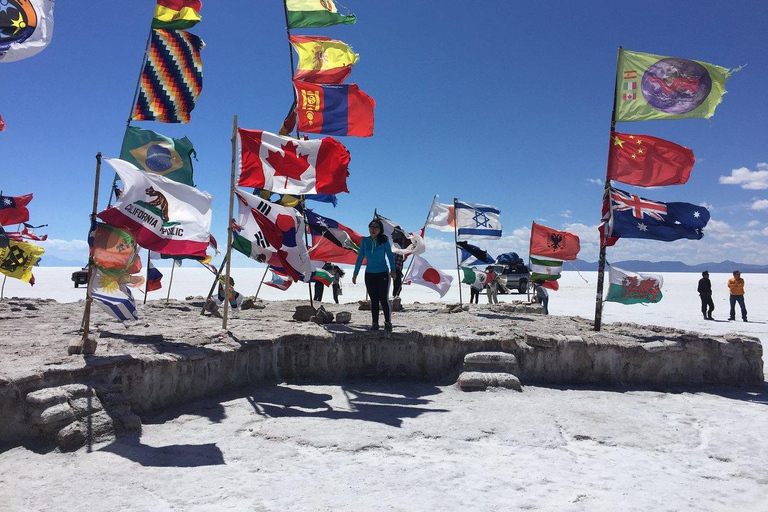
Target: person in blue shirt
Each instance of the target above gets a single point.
(377, 250)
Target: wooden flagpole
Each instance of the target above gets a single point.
(215, 281)
(410, 263)
(168, 296)
(146, 282)
(530, 245)
(261, 282)
(606, 197)
(228, 259)
(455, 247)
(78, 346)
(306, 241)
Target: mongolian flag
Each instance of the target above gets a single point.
(154, 278)
(158, 154)
(315, 13)
(631, 288)
(633, 216)
(423, 273)
(177, 14)
(288, 166)
(551, 243)
(273, 234)
(166, 216)
(647, 161)
(656, 87)
(334, 109)
(172, 78)
(13, 210)
(18, 258)
(323, 60)
(26, 28)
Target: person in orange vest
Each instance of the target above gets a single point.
(736, 287)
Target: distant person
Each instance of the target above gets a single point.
(492, 286)
(377, 250)
(705, 293)
(320, 287)
(337, 275)
(542, 295)
(474, 292)
(235, 299)
(736, 288)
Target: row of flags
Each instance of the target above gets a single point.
(17, 256)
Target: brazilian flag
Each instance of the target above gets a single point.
(158, 154)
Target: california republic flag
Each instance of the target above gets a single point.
(272, 234)
(166, 216)
(633, 288)
(289, 166)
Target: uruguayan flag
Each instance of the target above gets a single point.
(114, 298)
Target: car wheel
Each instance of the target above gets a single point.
(522, 287)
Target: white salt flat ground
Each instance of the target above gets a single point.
(365, 446)
(679, 308)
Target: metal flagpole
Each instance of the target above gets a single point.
(306, 241)
(261, 282)
(410, 263)
(77, 347)
(455, 247)
(530, 244)
(606, 197)
(228, 259)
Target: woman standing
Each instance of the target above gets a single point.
(337, 275)
(377, 251)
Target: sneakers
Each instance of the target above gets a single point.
(388, 326)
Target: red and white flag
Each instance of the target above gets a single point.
(289, 166)
(2, 124)
(426, 275)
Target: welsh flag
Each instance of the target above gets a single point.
(545, 270)
(633, 288)
(315, 13)
(288, 166)
(272, 234)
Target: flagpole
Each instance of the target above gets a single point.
(261, 282)
(146, 284)
(215, 281)
(530, 245)
(78, 347)
(293, 68)
(606, 196)
(423, 229)
(455, 247)
(306, 242)
(228, 259)
(168, 296)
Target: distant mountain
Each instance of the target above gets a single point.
(726, 266)
(53, 261)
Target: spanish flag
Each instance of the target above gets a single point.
(177, 14)
(323, 60)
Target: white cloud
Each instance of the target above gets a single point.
(597, 181)
(760, 204)
(708, 206)
(566, 214)
(72, 250)
(753, 223)
(746, 179)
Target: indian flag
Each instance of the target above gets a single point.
(633, 288)
(176, 14)
(545, 270)
(315, 13)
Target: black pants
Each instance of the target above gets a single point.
(336, 290)
(377, 285)
(707, 306)
(740, 300)
(474, 295)
(318, 291)
(397, 285)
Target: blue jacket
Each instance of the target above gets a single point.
(375, 254)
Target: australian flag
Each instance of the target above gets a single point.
(636, 217)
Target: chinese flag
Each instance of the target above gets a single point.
(648, 161)
(551, 243)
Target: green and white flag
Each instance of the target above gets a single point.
(158, 154)
(633, 288)
(474, 278)
(315, 13)
(545, 270)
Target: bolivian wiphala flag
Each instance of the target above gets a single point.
(166, 216)
(172, 78)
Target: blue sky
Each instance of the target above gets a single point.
(506, 107)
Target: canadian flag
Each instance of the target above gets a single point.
(285, 165)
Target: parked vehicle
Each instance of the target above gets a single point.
(80, 277)
(514, 277)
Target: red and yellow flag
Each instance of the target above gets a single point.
(323, 60)
(177, 14)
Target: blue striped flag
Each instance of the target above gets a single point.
(113, 297)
